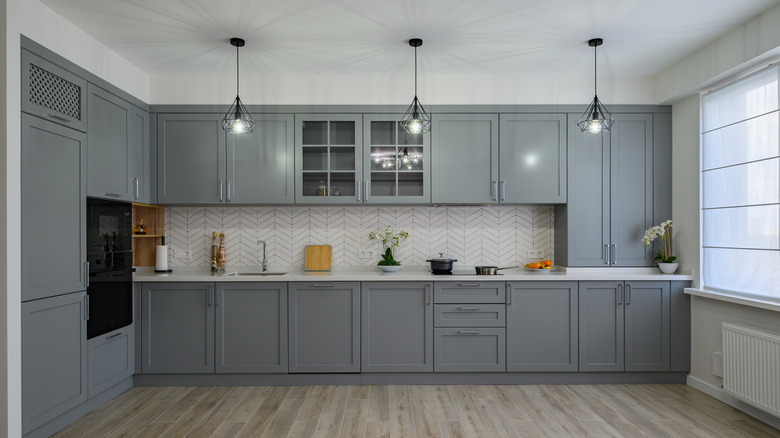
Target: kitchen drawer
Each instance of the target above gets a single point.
(469, 315)
(482, 292)
(469, 350)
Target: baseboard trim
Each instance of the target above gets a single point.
(719, 394)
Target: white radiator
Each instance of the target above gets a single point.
(751, 366)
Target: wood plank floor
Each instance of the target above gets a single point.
(417, 411)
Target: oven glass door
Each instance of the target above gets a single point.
(110, 302)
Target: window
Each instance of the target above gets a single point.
(740, 187)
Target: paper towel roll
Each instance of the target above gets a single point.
(161, 262)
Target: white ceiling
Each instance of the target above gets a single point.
(369, 37)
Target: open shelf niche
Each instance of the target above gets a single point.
(144, 245)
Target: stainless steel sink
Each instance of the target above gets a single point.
(233, 274)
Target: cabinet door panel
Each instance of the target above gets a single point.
(324, 327)
(141, 156)
(601, 326)
(53, 93)
(533, 158)
(260, 164)
(53, 187)
(111, 359)
(178, 327)
(647, 305)
(542, 326)
(251, 331)
(470, 350)
(632, 188)
(397, 327)
(464, 158)
(190, 159)
(109, 154)
(54, 358)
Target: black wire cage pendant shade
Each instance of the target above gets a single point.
(237, 119)
(596, 118)
(416, 120)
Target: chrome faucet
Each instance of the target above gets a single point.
(264, 263)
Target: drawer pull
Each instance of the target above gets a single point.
(469, 308)
(113, 336)
(469, 332)
(321, 285)
(468, 284)
(60, 118)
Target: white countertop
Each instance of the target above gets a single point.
(407, 273)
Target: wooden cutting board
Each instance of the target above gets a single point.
(317, 258)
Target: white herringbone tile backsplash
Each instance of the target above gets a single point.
(473, 235)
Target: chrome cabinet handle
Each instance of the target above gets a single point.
(468, 284)
(135, 182)
(218, 295)
(606, 254)
(365, 190)
(428, 298)
(470, 308)
(209, 298)
(60, 118)
(228, 190)
(620, 294)
(494, 191)
(113, 195)
(502, 193)
(357, 190)
(322, 285)
(628, 294)
(469, 332)
(614, 254)
(86, 307)
(116, 335)
(220, 191)
(508, 294)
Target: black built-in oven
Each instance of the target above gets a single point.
(110, 257)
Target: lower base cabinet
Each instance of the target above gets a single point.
(54, 357)
(324, 324)
(541, 326)
(478, 349)
(111, 359)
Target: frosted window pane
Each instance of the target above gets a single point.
(749, 227)
(749, 272)
(752, 140)
(746, 184)
(749, 97)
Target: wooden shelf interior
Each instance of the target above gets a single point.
(144, 245)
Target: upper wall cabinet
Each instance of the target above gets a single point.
(464, 158)
(396, 163)
(140, 166)
(613, 178)
(53, 93)
(532, 159)
(198, 163)
(328, 159)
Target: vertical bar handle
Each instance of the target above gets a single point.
(508, 294)
(619, 294)
(209, 298)
(494, 191)
(220, 191)
(428, 298)
(86, 307)
(218, 293)
(86, 275)
(628, 294)
(502, 193)
(606, 254)
(614, 254)
(357, 190)
(365, 190)
(228, 190)
(135, 183)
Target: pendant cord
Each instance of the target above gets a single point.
(415, 72)
(595, 61)
(237, 77)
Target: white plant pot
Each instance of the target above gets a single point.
(386, 268)
(668, 268)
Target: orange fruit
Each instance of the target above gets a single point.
(534, 265)
(546, 262)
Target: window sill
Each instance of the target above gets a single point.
(736, 299)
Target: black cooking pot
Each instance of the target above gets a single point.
(441, 264)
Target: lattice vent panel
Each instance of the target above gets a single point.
(54, 93)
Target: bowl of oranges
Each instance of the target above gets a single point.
(540, 266)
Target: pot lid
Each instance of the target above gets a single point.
(441, 258)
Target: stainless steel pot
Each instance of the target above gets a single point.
(441, 264)
(490, 270)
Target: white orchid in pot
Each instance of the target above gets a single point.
(390, 241)
(666, 261)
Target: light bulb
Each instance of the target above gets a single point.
(238, 126)
(376, 160)
(415, 161)
(594, 127)
(415, 126)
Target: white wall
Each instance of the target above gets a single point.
(39, 23)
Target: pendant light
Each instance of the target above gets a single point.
(596, 117)
(237, 120)
(416, 120)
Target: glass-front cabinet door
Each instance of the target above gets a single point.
(328, 159)
(396, 163)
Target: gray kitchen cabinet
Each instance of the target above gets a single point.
(198, 163)
(109, 155)
(397, 327)
(532, 158)
(464, 158)
(141, 151)
(611, 197)
(111, 359)
(624, 326)
(54, 177)
(541, 329)
(329, 159)
(53, 93)
(251, 327)
(324, 327)
(469, 292)
(177, 328)
(470, 349)
(396, 164)
(54, 357)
